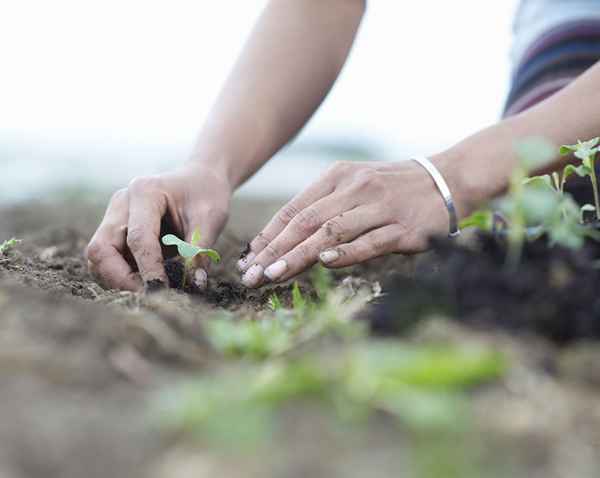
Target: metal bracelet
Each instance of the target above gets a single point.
(442, 186)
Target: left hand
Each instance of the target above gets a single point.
(354, 212)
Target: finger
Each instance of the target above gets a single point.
(112, 269)
(210, 221)
(304, 224)
(318, 190)
(105, 252)
(340, 229)
(147, 205)
(375, 243)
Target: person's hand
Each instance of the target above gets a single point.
(355, 212)
(126, 253)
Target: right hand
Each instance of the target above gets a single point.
(126, 252)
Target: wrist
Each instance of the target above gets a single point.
(213, 166)
(468, 189)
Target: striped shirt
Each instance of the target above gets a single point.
(555, 41)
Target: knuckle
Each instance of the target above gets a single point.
(259, 242)
(304, 252)
(144, 184)
(135, 238)
(287, 213)
(307, 220)
(340, 167)
(378, 243)
(272, 252)
(95, 251)
(118, 196)
(333, 229)
(367, 178)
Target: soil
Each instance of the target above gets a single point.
(80, 365)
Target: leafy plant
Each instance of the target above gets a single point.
(9, 244)
(274, 302)
(538, 205)
(189, 250)
(419, 385)
(586, 151)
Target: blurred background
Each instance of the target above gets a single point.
(93, 93)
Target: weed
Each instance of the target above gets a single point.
(189, 250)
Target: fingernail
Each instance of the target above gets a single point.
(253, 276)
(328, 256)
(276, 270)
(200, 278)
(245, 261)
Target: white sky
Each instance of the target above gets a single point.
(422, 75)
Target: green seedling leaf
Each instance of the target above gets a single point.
(187, 250)
(196, 237)
(9, 244)
(321, 280)
(298, 300)
(571, 169)
(274, 302)
(535, 153)
(483, 220)
(540, 181)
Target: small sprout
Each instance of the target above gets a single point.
(322, 281)
(298, 300)
(586, 151)
(274, 302)
(483, 220)
(189, 250)
(9, 244)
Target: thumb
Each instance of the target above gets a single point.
(209, 223)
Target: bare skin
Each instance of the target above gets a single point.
(356, 211)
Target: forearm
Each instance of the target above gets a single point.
(479, 167)
(287, 67)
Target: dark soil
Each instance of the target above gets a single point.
(553, 293)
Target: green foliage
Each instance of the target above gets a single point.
(8, 244)
(538, 205)
(189, 250)
(420, 386)
(299, 303)
(483, 220)
(274, 302)
(321, 280)
(586, 151)
(284, 330)
(255, 339)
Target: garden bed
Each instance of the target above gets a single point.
(91, 379)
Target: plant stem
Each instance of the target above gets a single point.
(595, 186)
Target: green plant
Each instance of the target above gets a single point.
(189, 250)
(9, 244)
(586, 151)
(538, 205)
(421, 386)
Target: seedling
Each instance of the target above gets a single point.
(189, 250)
(586, 151)
(538, 205)
(9, 244)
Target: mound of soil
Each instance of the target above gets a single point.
(553, 292)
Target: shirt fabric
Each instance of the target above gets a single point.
(555, 41)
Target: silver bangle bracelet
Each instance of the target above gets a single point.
(440, 182)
